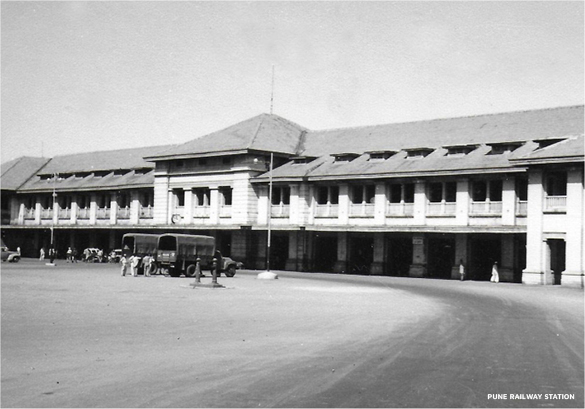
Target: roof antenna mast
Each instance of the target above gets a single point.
(272, 91)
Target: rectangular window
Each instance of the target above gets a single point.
(179, 197)
(435, 192)
(395, 193)
(556, 184)
(334, 195)
(451, 192)
(479, 191)
(281, 195)
(201, 197)
(495, 190)
(226, 195)
(363, 194)
(322, 195)
(522, 189)
(409, 192)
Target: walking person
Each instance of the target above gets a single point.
(69, 255)
(461, 270)
(124, 263)
(42, 254)
(134, 263)
(495, 274)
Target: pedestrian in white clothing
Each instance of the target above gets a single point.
(495, 275)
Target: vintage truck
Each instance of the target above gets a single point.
(178, 254)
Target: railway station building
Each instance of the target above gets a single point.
(406, 199)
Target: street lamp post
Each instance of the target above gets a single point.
(268, 274)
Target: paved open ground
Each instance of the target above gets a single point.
(82, 336)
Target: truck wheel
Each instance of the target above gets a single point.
(231, 271)
(190, 272)
(152, 269)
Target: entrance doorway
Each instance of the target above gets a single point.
(441, 257)
(484, 251)
(361, 254)
(557, 249)
(325, 254)
(398, 256)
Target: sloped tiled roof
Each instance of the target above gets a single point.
(110, 181)
(569, 150)
(479, 131)
(504, 127)
(16, 172)
(264, 132)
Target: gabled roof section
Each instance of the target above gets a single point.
(482, 129)
(16, 172)
(265, 132)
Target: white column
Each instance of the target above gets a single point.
(263, 205)
(462, 205)
(343, 204)
(509, 201)
(20, 218)
(74, 208)
(573, 274)
(214, 205)
(38, 212)
(188, 211)
(93, 209)
(380, 204)
(295, 205)
(113, 208)
(420, 202)
(534, 271)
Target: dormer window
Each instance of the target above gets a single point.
(545, 143)
(100, 174)
(81, 175)
(504, 147)
(345, 157)
(381, 155)
(418, 152)
(120, 172)
(302, 159)
(460, 149)
(45, 177)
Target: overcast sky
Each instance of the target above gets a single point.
(78, 76)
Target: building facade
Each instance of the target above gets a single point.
(413, 199)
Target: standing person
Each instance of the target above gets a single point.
(134, 263)
(461, 270)
(18, 250)
(146, 265)
(42, 255)
(52, 254)
(74, 255)
(69, 255)
(100, 255)
(495, 274)
(124, 263)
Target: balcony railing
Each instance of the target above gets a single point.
(46, 213)
(103, 213)
(146, 212)
(521, 208)
(83, 213)
(399, 209)
(225, 211)
(64, 213)
(441, 209)
(280, 210)
(29, 214)
(201, 211)
(555, 203)
(123, 212)
(486, 208)
(361, 210)
(327, 210)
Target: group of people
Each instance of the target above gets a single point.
(52, 254)
(135, 263)
(72, 255)
(495, 278)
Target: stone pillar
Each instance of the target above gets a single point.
(573, 274)
(534, 271)
(291, 260)
(188, 210)
(74, 210)
(38, 208)
(294, 216)
(55, 211)
(462, 205)
(420, 203)
(263, 204)
(378, 264)
(134, 207)
(113, 208)
(506, 270)
(418, 268)
(460, 254)
(214, 205)
(343, 204)
(380, 204)
(93, 211)
(508, 202)
(20, 219)
(342, 245)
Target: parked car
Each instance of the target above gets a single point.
(115, 256)
(10, 256)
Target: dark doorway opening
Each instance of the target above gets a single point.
(441, 257)
(484, 251)
(325, 253)
(224, 243)
(398, 256)
(519, 257)
(557, 258)
(278, 252)
(361, 254)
